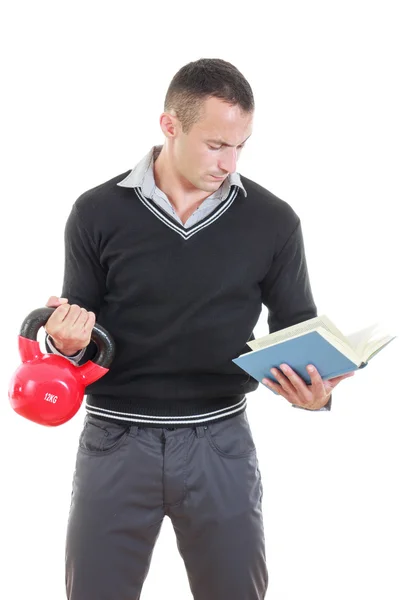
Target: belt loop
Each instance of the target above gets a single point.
(134, 430)
(200, 431)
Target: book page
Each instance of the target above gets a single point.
(285, 334)
(369, 341)
(359, 339)
(342, 346)
(376, 345)
(296, 331)
(333, 329)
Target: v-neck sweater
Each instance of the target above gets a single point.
(181, 303)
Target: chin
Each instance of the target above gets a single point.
(212, 187)
(204, 186)
(211, 184)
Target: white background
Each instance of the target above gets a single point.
(84, 84)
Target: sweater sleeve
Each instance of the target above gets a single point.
(84, 280)
(286, 289)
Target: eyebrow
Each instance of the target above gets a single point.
(220, 142)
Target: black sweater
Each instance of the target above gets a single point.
(182, 303)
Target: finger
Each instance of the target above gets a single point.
(90, 323)
(283, 381)
(59, 315)
(347, 375)
(272, 386)
(84, 325)
(74, 315)
(82, 318)
(333, 382)
(87, 318)
(57, 319)
(297, 382)
(91, 319)
(317, 384)
(55, 301)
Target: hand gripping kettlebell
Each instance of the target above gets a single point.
(47, 388)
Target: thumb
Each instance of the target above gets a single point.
(348, 374)
(54, 301)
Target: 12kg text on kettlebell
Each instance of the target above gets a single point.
(50, 398)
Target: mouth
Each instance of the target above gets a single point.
(218, 178)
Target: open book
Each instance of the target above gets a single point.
(318, 342)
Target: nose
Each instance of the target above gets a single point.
(228, 162)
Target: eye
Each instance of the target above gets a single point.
(219, 147)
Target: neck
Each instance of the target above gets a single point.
(180, 192)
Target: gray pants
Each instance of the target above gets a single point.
(205, 478)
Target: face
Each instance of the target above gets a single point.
(208, 153)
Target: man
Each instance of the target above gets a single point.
(175, 259)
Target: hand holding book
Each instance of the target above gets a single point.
(294, 389)
(317, 342)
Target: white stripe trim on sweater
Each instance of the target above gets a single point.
(187, 233)
(169, 420)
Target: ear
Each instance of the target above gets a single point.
(169, 124)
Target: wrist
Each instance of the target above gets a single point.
(65, 349)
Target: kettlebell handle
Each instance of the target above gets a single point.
(100, 336)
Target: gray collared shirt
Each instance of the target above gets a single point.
(142, 176)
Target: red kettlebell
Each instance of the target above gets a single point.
(47, 388)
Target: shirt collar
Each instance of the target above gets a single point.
(143, 175)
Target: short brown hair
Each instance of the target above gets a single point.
(204, 78)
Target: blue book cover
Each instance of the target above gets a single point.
(309, 348)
